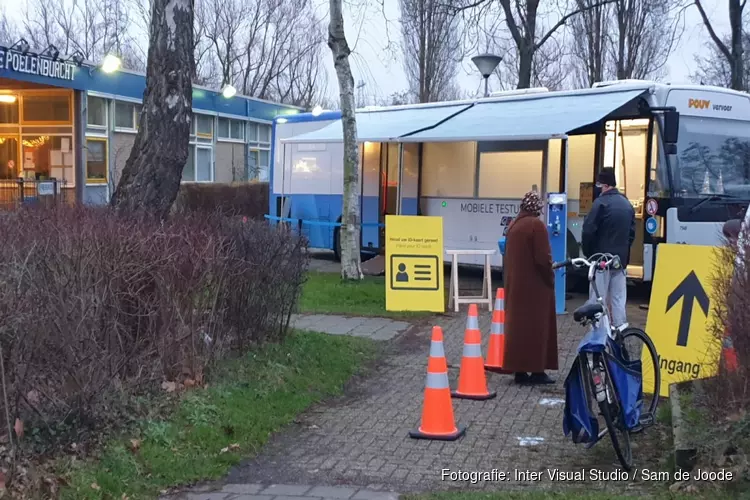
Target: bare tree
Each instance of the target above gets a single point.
(268, 48)
(92, 28)
(735, 51)
(151, 177)
(527, 25)
(430, 46)
(624, 39)
(8, 32)
(590, 33)
(714, 69)
(645, 33)
(351, 266)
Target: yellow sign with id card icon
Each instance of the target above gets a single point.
(414, 263)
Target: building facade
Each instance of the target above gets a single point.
(68, 120)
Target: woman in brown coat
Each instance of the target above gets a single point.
(530, 321)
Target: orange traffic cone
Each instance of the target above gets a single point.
(437, 414)
(496, 349)
(730, 355)
(472, 383)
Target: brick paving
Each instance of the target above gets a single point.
(361, 440)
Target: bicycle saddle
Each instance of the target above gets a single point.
(587, 311)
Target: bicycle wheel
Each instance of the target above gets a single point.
(634, 341)
(613, 417)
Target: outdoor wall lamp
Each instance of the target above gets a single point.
(51, 52)
(111, 63)
(78, 58)
(21, 46)
(228, 91)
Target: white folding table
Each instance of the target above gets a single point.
(455, 299)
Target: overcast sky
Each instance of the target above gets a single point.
(381, 70)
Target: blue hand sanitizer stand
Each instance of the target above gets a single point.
(557, 223)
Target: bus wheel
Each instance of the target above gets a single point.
(337, 243)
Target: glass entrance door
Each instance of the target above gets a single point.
(9, 165)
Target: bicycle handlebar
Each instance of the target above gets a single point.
(601, 260)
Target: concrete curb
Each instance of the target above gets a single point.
(685, 453)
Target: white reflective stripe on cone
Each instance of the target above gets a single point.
(497, 328)
(472, 323)
(436, 349)
(499, 304)
(437, 381)
(472, 350)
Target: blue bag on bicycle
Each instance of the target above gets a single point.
(577, 417)
(628, 380)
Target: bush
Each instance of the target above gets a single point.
(731, 301)
(96, 308)
(247, 199)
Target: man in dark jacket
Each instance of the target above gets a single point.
(610, 228)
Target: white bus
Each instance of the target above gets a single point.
(681, 155)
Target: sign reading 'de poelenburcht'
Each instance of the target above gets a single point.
(34, 64)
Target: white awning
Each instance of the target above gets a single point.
(542, 117)
(383, 125)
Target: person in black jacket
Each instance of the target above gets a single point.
(610, 228)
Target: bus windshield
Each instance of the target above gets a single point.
(713, 158)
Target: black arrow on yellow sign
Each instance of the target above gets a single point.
(689, 290)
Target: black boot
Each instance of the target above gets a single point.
(521, 378)
(541, 378)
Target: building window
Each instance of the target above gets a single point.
(264, 134)
(258, 133)
(200, 164)
(202, 126)
(231, 129)
(127, 115)
(46, 157)
(46, 108)
(9, 111)
(96, 115)
(237, 131)
(96, 160)
(252, 132)
(257, 164)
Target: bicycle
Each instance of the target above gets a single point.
(597, 352)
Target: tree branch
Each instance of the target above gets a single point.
(565, 18)
(719, 44)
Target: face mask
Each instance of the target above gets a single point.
(597, 191)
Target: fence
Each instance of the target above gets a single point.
(17, 192)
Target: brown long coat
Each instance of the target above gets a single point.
(530, 319)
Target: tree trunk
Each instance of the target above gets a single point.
(351, 268)
(151, 177)
(738, 61)
(525, 66)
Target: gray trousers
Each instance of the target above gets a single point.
(613, 288)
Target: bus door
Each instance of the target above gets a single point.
(626, 150)
(370, 154)
(389, 184)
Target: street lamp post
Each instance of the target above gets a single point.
(486, 64)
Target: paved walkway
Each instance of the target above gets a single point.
(284, 492)
(361, 441)
(372, 328)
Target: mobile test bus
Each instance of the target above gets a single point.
(681, 154)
